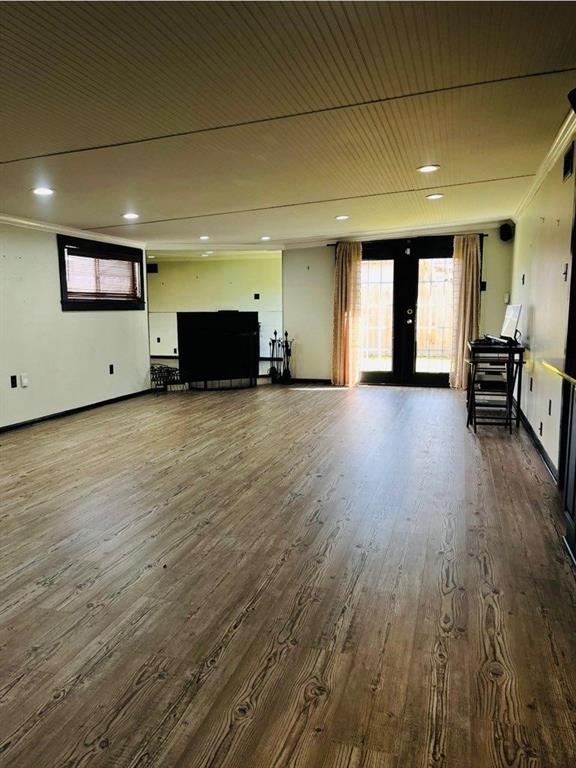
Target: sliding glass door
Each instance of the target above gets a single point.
(407, 311)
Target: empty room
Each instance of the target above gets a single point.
(287, 385)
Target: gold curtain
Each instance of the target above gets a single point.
(346, 325)
(466, 305)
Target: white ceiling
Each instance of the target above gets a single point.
(287, 113)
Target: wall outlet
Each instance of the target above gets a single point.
(24, 380)
(14, 381)
(157, 339)
(256, 296)
(111, 368)
(175, 351)
(540, 428)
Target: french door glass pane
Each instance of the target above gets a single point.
(434, 316)
(377, 315)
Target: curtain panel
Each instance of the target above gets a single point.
(466, 305)
(346, 323)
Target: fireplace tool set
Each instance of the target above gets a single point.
(280, 354)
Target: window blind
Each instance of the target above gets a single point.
(94, 277)
(99, 276)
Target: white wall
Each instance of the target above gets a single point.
(497, 272)
(308, 296)
(66, 355)
(163, 329)
(541, 251)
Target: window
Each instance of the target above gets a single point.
(434, 315)
(377, 315)
(96, 276)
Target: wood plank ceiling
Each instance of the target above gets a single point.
(239, 120)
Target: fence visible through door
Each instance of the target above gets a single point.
(407, 309)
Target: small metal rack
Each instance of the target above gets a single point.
(163, 376)
(495, 378)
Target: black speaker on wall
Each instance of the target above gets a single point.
(507, 231)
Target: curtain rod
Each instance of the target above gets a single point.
(412, 237)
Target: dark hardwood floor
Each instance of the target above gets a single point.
(310, 578)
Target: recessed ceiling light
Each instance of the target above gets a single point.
(204, 255)
(341, 217)
(209, 253)
(434, 196)
(43, 191)
(265, 237)
(204, 237)
(130, 216)
(428, 168)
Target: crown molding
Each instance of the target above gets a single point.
(174, 251)
(43, 226)
(189, 256)
(563, 138)
(160, 245)
(456, 228)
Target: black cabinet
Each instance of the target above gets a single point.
(219, 347)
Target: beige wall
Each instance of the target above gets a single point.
(308, 285)
(308, 279)
(64, 354)
(497, 272)
(205, 285)
(209, 285)
(541, 251)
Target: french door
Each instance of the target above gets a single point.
(407, 288)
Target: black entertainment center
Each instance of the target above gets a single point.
(218, 349)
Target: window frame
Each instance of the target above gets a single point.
(100, 250)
